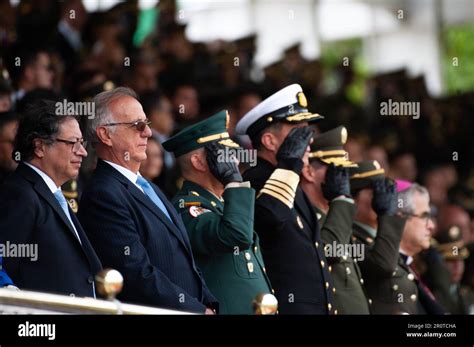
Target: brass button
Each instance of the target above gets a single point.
(322, 263)
(335, 311)
(333, 290)
(411, 277)
(370, 301)
(255, 249)
(330, 268)
(250, 267)
(327, 285)
(395, 287)
(344, 257)
(213, 204)
(329, 307)
(413, 297)
(316, 244)
(348, 271)
(361, 281)
(264, 270)
(273, 291)
(247, 256)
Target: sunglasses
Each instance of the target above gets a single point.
(140, 125)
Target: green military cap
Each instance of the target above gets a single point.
(450, 243)
(328, 148)
(212, 129)
(362, 176)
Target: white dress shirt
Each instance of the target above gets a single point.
(52, 186)
(130, 175)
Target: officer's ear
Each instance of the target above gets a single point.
(308, 173)
(270, 142)
(198, 161)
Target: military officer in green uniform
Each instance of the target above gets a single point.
(451, 246)
(377, 228)
(381, 224)
(325, 180)
(217, 209)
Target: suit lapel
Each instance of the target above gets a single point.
(92, 258)
(42, 189)
(146, 201)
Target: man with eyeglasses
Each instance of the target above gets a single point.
(131, 224)
(53, 252)
(414, 205)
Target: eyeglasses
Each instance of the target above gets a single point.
(140, 125)
(427, 216)
(76, 145)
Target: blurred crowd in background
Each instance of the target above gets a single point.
(46, 52)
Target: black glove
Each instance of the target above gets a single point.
(336, 182)
(384, 200)
(291, 152)
(225, 169)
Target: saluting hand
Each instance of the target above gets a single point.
(384, 200)
(336, 182)
(291, 152)
(225, 169)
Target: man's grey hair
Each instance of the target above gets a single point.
(102, 111)
(184, 161)
(405, 201)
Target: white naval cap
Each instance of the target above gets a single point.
(288, 104)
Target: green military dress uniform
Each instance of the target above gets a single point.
(336, 228)
(450, 245)
(390, 283)
(225, 245)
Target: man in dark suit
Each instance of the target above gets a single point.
(34, 212)
(131, 224)
(284, 217)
